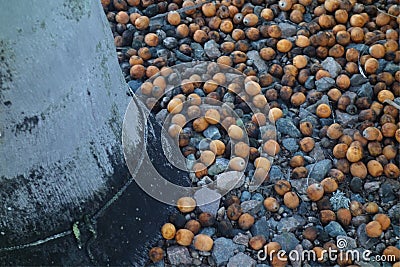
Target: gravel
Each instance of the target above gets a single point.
(240, 260)
(319, 170)
(223, 250)
(178, 255)
(286, 126)
(332, 66)
(288, 241)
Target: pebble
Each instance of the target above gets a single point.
(258, 196)
(170, 42)
(346, 119)
(258, 62)
(240, 260)
(223, 250)
(251, 206)
(332, 66)
(210, 231)
(207, 200)
(320, 170)
(317, 153)
(371, 186)
(302, 184)
(364, 240)
(297, 261)
(262, 227)
(357, 79)
(391, 67)
(246, 195)
(359, 47)
(290, 224)
(358, 220)
(225, 181)
(212, 133)
(286, 126)
(241, 239)
(364, 90)
(334, 229)
(310, 83)
(288, 241)
(307, 244)
(290, 144)
(386, 192)
(394, 213)
(287, 29)
(178, 255)
(275, 174)
(182, 56)
(212, 49)
(220, 165)
(198, 51)
(356, 185)
(350, 242)
(324, 84)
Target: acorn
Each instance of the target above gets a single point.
(226, 26)
(371, 207)
(373, 229)
(212, 116)
(297, 161)
(306, 128)
(271, 204)
(299, 172)
(234, 211)
(371, 133)
(137, 71)
(217, 147)
(184, 237)
(186, 204)
(291, 200)
(271, 147)
(356, 208)
(275, 114)
(307, 144)
(206, 219)
(284, 45)
(323, 111)
(203, 242)
(391, 170)
(320, 254)
(329, 184)
(200, 124)
(200, 36)
(237, 164)
(297, 99)
(156, 254)
(358, 169)
(250, 20)
(246, 221)
(327, 216)
(344, 216)
(371, 66)
(168, 231)
(339, 151)
(310, 233)
(175, 106)
(302, 41)
(315, 192)
(390, 252)
(257, 242)
(272, 248)
(354, 152)
(235, 132)
(174, 18)
(389, 129)
(389, 152)
(375, 169)
(262, 162)
(193, 226)
(285, 5)
(383, 219)
(385, 94)
(282, 187)
(267, 14)
(142, 22)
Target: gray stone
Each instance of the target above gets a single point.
(170, 42)
(348, 243)
(210, 231)
(296, 262)
(181, 56)
(212, 49)
(307, 244)
(310, 83)
(220, 165)
(287, 29)
(288, 241)
(319, 171)
(207, 200)
(246, 195)
(346, 119)
(332, 66)
(290, 144)
(386, 192)
(363, 239)
(178, 255)
(317, 153)
(261, 227)
(302, 184)
(212, 132)
(394, 213)
(286, 126)
(251, 206)
(357, 79)
(241, 260)
(392, 67)
(198, 51)
(334, 229)
(275, 173)
(324, 84)
(365, 90)
(223, 250)
(258, 62)
(241, 239)
(229, 180)
(371, 186)
(358, 220)
(289, 224)
(359, 47)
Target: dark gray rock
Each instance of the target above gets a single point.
(357, 79)
(394, 213)
(387, 193)
(178, 255)
(334, 229)
(210, 231)
(332, 66)
(251, 206)
(181, 56)
(391, 67)
(319, 171)
(286, 126)
(317, 153)
(212, 132)
(359, 47)
(258, 62)
(324, 84)
(246, 195)
(302, 184)
(371, 186)
(212, 49)
(170, 42)
(346, 119)
(356, 185)
(288, 241)
(198, 51)
(289, 224)
(310, 83)
(290, 144)
(223, 250)
(240, 260)
(364, 91)
(207, 200)
(350, 243)
(287, 29)
(262, 227)
(275, 173)
(364, 240)
(241, 239)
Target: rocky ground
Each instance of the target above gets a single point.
(330, 73)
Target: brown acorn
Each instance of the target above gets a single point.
(272, 248)
(186, 204)
(271, 147)
(234, 211)
(358, 169)
(326, 216)
(237, 164)
(297, 161)
(282, 187)
(307, 144)
(168, 231)
(246, 221)
(344, 216)
(371, 65)
(323, 111)
(371, 133)
(267, 53)
(391, 171)
(271, 204)
(291, 200)
(383, 219)
(310, 233)
(390, 252)
(203, 242)
(306, 128)
(284, 45)
(385, 94)
(156, 254)
(371, 207)
(206, 219)
(275, 114)
(184, 237)
(389, 152)
(315, 192)
(257, 242)
(356, 208)
(329, 184)
(285, 5)
(262, 162)
(142, 22)
(297, 99)
(339, 151)
(373, 229)
(299, 172)
(354, 152)
(235, 132)
(193, 226)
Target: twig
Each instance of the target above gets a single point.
(390, 102)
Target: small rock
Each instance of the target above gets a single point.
(394, 213)
(240, 260)
(210, 231)
(364, 90)
(324, 84)
(286, 126)
(296, 262)
(212, 133)
(302, 184)
(212, 49)
(332, 66)
(170, 42)
(287, 29)
(319, 171)
(241, 239)
(358, 220)
(223, 250)
(356, 185)
(334, 229)
(290, 224)
(275, 174)
(181, 56)
(261, 227)
(391, 67)
(258, 196)
(251, 206)
(348, 243)
(357, 79)
(288, 241)
(220, 165)
(258, 62)
(207, 200)
(386, 193)
(307, 244)
(134, 85)
(371, 186)
(229, 180)
(246, 195)
(198, 51)
(364, 240)
(359, 47)
(346, 119)
(317, 153)
(178, 255)
(290, 144)
(310, 83)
